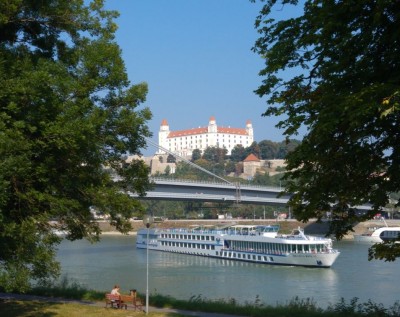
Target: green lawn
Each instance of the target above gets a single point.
(11, 308)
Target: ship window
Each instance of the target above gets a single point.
(212, 238)
(271, 259)
(248, 256)
(259, 258)
(212, 247)
(254, 257)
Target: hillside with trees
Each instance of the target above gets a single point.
(230, 167)
(217, 161)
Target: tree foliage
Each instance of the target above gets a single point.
(215, 154)
(335, 69)
(238, 153)
(68, 116)
(196, 154)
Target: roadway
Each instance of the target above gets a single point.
(202, 191)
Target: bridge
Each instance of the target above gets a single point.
(202, 191)
(223, 192)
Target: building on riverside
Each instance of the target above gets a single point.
(183, 142)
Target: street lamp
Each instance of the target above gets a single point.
(147, 220)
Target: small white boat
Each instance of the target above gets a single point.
(258, 244)
(378, 234)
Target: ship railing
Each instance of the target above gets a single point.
(299, 237)
(275, 252)
(191, 231)
(208, 231)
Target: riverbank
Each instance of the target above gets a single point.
(17, 305)
(312, 227)
(10, 299)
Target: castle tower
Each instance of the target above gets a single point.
(163, 135)
(212, 132)
(249, 129)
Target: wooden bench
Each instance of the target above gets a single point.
(112, 300)
(131, 301)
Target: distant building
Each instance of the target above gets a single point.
(251, 164)
(183, 142)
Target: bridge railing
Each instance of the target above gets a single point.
(191, 181)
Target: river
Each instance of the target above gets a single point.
(115, 260)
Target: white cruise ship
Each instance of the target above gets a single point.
(259, 244)
(378, 235)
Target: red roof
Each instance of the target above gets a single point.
(174, 134)
(251, 158)
(164, 122)
(204, 130)
(232, 130)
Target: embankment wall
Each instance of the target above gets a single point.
(311, 227)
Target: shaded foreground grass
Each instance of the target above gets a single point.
(295, 307)
(47, 309)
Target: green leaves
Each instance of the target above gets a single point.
(335, 71)
(68, 112)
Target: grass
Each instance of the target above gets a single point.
(295, 307)
(48, 309)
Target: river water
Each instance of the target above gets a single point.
(115, 260)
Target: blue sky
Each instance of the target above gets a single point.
(196, 57)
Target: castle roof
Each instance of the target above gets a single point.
(251, 158)
(204, 130)
(164, 122)
(194, 131)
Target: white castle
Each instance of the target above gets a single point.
(183, 142)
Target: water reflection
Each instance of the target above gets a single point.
(116, 260)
